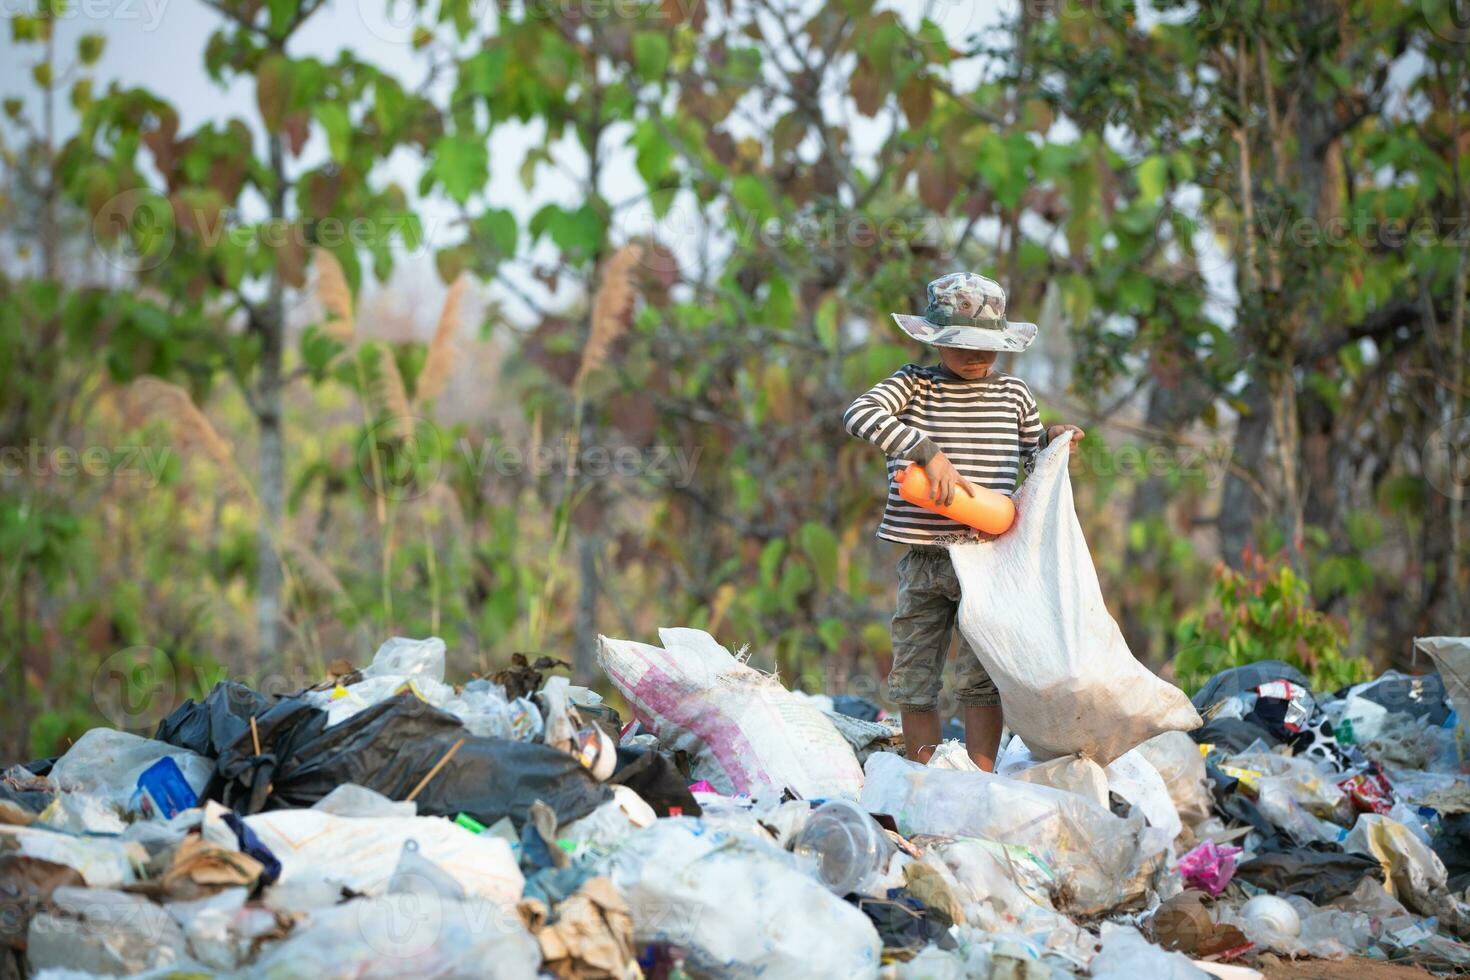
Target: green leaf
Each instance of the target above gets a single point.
(333, 117)
(750, 192)
(770, 561)
(827, 322)
(462, 164)
(281, 12)
(577, 232)
(89, 48)
(654, 153)
(780, 305)
(499, 227)
(820, 545)
(273, 91)
(651, 55)
(482, 72)
(1153, 172)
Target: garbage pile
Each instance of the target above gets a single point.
(388, 823)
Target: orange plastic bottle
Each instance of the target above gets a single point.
(989, 510)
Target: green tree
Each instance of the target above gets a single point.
(220, 221)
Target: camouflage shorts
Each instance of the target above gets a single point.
(928, 600)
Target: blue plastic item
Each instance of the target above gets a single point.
(163, 790)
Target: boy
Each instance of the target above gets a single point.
(967, 425)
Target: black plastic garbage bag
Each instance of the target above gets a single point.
(1319, 873)
(1452, 844)
(1420, 695)
(391, 746)
(208, 726)
(1232, 734)
(855, 707)
(903, 923)
(1247, 677)
(652, 775)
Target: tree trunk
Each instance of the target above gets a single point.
(271, 474)
(1238, 501)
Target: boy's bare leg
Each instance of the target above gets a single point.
(921, 734)
(982, 733)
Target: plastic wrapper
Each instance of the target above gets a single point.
(1209, 867)
(1369, 792)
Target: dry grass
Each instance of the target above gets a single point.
(440, 358)
(170, 403)
(386, 391)
(335, 296)
(612, 309)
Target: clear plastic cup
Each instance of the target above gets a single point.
(850, 849)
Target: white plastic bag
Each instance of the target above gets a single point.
(1033, 611)
(1135, 779)
(1177, 758)
(362, 853)
(740, 907)
(401, 657)
(1100, 859)
(106, 763)
(404, 935)
(745, 732)
(1126, 955)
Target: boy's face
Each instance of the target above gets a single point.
(969, 364)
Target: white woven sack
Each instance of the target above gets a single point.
(1032, 610)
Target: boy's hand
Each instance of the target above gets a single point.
(1055, 432)
(944, 480)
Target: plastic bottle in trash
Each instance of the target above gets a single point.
(988, 510)
(849, 847)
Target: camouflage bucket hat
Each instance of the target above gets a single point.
(969, 311)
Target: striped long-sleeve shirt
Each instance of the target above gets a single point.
(986, 427)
